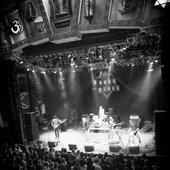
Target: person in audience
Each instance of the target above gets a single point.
(17, 157)
(96, 165)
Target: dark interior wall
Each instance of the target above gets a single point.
(4, 102)
(10, 102)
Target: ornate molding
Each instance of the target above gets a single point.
(127, 17)
(125, 23)
(71, 33)
(95, 25)
(45, 18)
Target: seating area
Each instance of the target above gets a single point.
(40, 157)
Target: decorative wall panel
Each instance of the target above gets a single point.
(15, 29)
(98, 16)
(36, 21)
(125, 14)
(64, 21)
(152, 15)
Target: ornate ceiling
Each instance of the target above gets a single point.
(88, 36)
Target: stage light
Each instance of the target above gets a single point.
(150, 69)
(72, 63)
(28, 69)
(161, 2)
(43, 72)
(156, 61)
(60, 72)
(112, 60)
(33, 71)
(100, 57)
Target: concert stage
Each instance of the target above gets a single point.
(98, 141)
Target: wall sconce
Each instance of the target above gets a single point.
(39, 24)
(89, 9)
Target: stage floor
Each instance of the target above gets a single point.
(100, 141)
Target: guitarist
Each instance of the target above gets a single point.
(112, 124)
(133, 131)
(55, 122)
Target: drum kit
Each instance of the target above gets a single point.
(97, 121)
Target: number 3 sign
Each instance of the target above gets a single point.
(16, 26)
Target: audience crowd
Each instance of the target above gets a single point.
(40, 157)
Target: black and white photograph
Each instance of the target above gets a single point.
(84, 85)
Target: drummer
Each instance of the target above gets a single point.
(102, 115)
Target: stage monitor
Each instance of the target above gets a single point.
(52, 144)
(72, 146)
(89, 148)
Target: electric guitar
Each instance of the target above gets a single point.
(114, 124)
(133, 132)
(56, 125)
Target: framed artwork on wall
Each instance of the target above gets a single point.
(60, 9)
(33, 18)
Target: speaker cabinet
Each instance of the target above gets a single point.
(114, 148)
(133, 149)
(32, 132)
(52, 144)
(89, 148)
(162, 131)
(5, 135)
(29, 118)
(72, 147)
